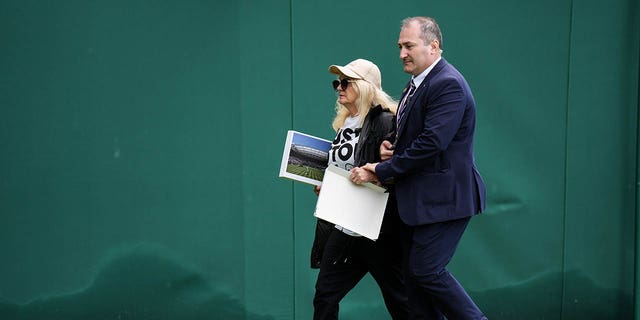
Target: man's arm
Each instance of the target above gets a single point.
(442, 120)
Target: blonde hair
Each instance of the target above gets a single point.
(368, 96)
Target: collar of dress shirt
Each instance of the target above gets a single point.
(418, 80)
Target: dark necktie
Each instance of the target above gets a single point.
(405, 101)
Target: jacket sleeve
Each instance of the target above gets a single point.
(442, 119)
(379, 128)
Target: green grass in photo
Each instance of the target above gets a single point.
(307, 172)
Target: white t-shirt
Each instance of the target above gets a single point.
(344, 145)
(342, 153)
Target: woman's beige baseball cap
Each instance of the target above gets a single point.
(359, 69)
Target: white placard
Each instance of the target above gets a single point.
(359, 208)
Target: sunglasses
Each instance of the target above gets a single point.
(342, 83)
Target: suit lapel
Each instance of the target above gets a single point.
(407, 107)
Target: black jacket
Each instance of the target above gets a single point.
(378, 125)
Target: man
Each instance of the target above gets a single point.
(438, 187)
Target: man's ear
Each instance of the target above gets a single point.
(435, 45)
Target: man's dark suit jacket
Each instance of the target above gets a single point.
(433, 166)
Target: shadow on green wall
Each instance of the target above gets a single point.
(143, 285)
(137, 285)
(535, 299)
(539, 298)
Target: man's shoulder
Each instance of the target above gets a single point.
(448, 73)
(444, 68)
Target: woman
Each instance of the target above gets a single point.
(364, 118)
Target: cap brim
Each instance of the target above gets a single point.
(343, 71)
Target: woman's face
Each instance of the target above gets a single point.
(347, 96)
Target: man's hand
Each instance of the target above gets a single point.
(370, 167)
(361, 175)
(316, 190)
(386, 150)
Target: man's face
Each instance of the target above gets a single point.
(416, 56)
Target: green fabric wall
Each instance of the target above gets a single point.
(600, 162)
(140, 144)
